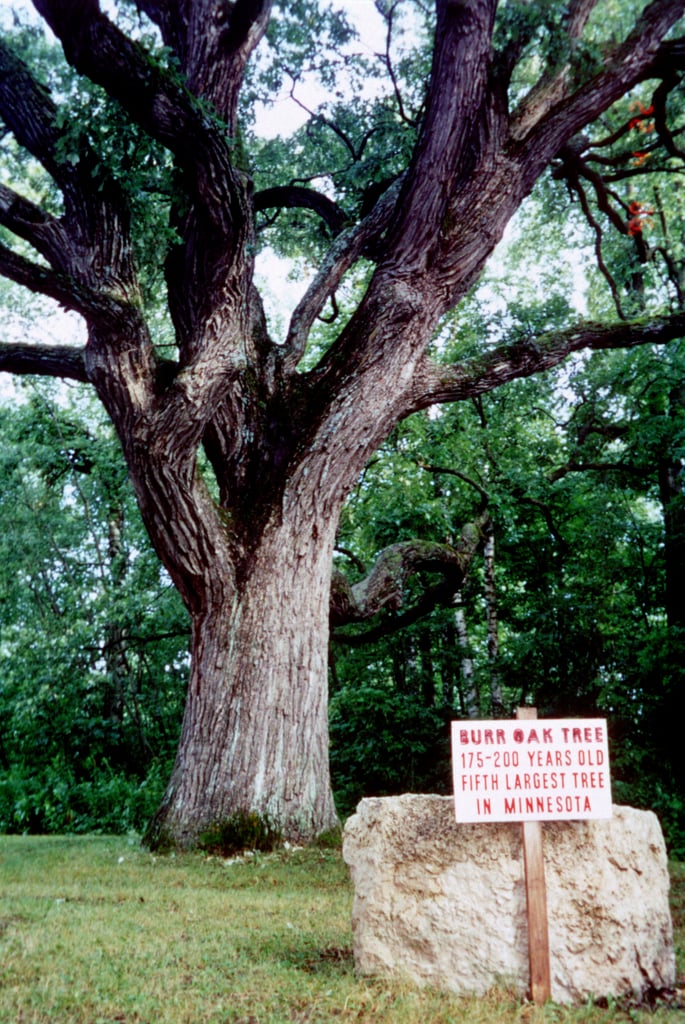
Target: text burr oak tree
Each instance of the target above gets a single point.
(282, 437)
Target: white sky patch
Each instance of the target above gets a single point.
(571, 263)
(281, 286)
(55, 326)
(282, 116)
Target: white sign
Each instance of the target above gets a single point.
(531, 770)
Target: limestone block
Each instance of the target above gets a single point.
(444, 904)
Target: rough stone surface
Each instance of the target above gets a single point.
(445, 905)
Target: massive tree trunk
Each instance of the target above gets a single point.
(255, 730)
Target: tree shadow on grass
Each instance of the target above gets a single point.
(330, 961)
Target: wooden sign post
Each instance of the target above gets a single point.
(536, 901)
(530, 771)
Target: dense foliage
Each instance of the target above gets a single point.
(92, 635)
(579, 609)
(582, 620)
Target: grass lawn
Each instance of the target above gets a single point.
(96, 930)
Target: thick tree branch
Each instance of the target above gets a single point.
(30, 114)
(106, 309)
(220, 40)
(441, 595)
(576, 19)
(453, 134)
(166, 14)
(44, 232)
(211, 269)
(669, 58)
(347, 248)
(384, 586)
(298, 197)
(247, 22)
(435, 242)
(435, 383)
(553, 113)
(44, 360)
(555, 84)
(152, 96)
(89, 246)
(213, 43)
(95, 47)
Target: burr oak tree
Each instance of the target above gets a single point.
(243, 442)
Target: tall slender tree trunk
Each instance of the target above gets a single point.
(469, 688)
(671, 485)
(490, 587)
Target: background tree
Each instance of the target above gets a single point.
(93, 638)
(151, 168)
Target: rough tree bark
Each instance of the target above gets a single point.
(285, 445)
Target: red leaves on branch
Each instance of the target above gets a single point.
(640, 158)
(639, 121)
(639, 217)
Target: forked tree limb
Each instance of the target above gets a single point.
(385, 584)
(343, 253)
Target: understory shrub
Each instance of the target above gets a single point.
(52, 800)
(384, 743)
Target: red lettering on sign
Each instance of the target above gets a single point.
(549, 758)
